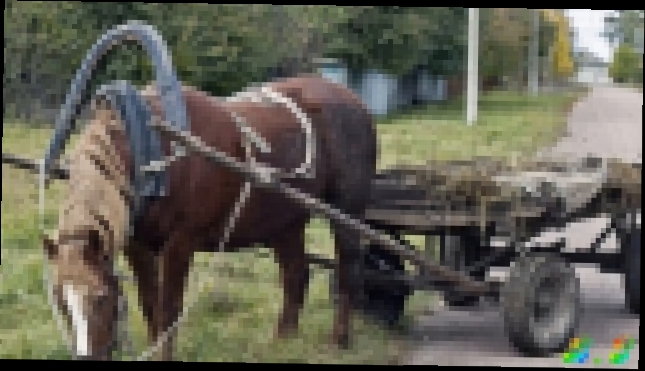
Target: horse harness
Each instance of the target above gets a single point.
(147, 179)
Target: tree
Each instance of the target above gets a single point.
(626, 66)
(624, 26)
(298, 34)
(562, 58)
(398, 40)
(222, 48)
(504, 37)
(444, 38)
(219, 48)
(39, 53)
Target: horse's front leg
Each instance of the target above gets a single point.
(143, 263)
(174, 267)
(289, 250)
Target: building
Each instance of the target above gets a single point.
(592, 70)
(384, 93)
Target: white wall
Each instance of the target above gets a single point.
(379, 92)
(337, 74)
(593, 75)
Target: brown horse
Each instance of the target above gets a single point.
(198, 201)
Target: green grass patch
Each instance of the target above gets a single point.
(240, 293)
(508, 124)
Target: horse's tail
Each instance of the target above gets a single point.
(99, 193)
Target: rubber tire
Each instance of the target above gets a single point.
(519, 293)
(458, 252)
(383, 305)
(630, 245)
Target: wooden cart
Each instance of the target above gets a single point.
(485, 212)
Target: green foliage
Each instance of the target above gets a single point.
(626, 66)
(397, 40)
(223, 47)
(624, 27)
(504, 34)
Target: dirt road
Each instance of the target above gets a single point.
(607, 123)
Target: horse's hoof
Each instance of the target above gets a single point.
(340, 341)
(285, 332)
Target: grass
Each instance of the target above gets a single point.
(234, 319)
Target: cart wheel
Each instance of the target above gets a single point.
(386, 305)
(630, 246)
(541, 303)
(459, 252)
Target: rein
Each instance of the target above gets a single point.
(42, 178)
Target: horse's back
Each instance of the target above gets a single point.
(349, 134)
(202, 195)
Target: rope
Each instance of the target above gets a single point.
(42, 178)
(305, 169)
(123, 338)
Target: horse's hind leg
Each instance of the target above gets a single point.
(352, 150)
(289, 250)
(347, 257)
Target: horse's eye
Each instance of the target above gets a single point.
(100, 298)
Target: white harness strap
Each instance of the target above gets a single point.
(261, 95)
(266, 94)
(240, 202)
(251, 137)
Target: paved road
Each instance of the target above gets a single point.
(607, 123)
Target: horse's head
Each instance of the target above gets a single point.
(85, 290)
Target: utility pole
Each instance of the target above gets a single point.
(473, 78)
(533, 55)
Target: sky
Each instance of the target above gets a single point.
(589, 24)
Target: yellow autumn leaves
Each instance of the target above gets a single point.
(561, 57)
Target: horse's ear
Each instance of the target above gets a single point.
(50, 246)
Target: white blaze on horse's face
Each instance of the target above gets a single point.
(86, 292)
(74, 300)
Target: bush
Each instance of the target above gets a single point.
(627, 66)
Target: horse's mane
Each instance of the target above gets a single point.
(97, 182)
